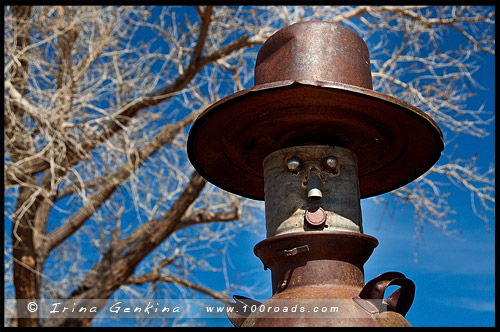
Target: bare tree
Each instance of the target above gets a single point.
(98, 102)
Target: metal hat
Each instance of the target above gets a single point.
(313, 85)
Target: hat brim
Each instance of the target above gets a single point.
(394, 142)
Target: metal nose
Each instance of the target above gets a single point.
(314, 185)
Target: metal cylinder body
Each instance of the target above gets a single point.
(298, 181)
(315, 247)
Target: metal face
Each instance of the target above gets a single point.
(316, 196)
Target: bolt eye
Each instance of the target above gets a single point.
(330, 163)
(293, 164)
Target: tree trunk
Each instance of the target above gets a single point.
(25, 276)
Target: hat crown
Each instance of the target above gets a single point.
(314, 51)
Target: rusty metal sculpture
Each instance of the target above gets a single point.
(312, 138)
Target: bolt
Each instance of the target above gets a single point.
(293, 164)
(315, 216)
(330, 163)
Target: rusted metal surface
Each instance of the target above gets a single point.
(332, 258)
(314, 50)
(329, 271)
(288, 192)
(313, 86)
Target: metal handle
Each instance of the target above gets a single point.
(400, 301)
(237, 314)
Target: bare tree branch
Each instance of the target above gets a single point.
(167, 278)
(167, 134)
(120, 270)
(208, 217)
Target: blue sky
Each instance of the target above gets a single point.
(455, 279)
